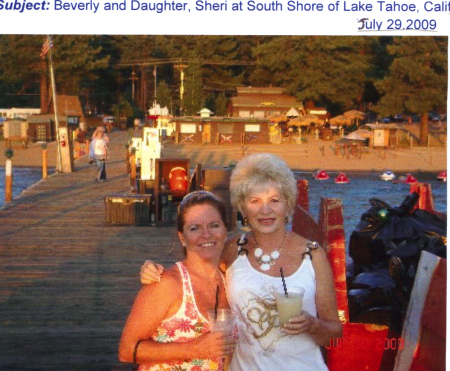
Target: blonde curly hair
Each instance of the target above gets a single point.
(262, 169)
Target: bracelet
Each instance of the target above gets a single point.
(135, 349)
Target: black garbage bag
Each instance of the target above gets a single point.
(385, 247)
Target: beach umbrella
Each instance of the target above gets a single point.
(355, 115)
(340, 120)
(277, 118)
(305, 120)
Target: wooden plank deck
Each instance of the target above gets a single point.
(67, 278)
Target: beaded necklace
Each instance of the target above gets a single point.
(267, 261)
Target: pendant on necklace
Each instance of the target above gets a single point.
(265, 260)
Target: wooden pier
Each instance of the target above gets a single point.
(67, 277)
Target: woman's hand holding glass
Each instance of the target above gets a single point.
(300, 324)
(214, 345)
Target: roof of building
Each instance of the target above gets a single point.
(382, 126)
(266, 101)
(264, 97)
(224, 119)
(37, 119)
(68, 105)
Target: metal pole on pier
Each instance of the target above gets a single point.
(52, 77)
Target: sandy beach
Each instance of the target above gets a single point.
(307, 156)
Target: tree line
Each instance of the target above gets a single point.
(386, 74)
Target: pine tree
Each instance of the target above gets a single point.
(164, 95)
(417, 79)
(221, 105)
(193, 92)
(75, 61)
(326, 69)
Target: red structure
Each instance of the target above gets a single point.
(368, 346)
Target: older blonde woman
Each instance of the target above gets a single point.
(263, 189)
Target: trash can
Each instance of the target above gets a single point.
(128, 209)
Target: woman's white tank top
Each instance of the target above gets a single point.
(262, 346)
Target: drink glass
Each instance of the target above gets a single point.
(224, 321)
(290, 305)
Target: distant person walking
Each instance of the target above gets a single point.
(99, 153)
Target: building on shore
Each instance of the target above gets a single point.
(221, 130)
(43, 127)
(18, 113)
(262, 102)
(383, 135)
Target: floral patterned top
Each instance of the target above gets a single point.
(185, 325)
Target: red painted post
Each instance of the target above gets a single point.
(331, 225)
(425, 196)
(302, 196)
(303, 223)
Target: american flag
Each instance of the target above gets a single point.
(46, 46)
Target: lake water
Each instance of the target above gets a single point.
(22, 179)
(355, 195)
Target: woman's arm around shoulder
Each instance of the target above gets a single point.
(150, 272)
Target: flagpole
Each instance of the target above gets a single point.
(154, 72)
(52, 77)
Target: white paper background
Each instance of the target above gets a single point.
(284, 22)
